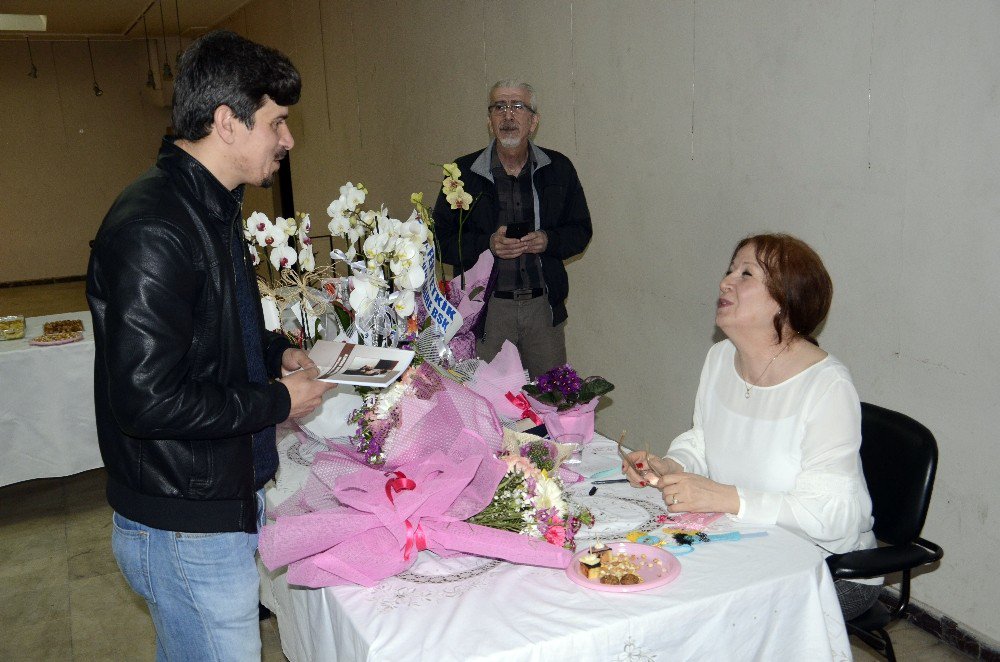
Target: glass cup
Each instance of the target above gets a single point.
(574, 441)
(11, 327)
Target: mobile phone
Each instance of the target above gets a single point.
(518, 230)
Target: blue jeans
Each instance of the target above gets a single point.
(202, 589)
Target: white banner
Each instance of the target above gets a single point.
(445, 316)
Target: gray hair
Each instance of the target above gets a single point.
(519, 84)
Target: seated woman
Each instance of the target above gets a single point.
(777, 421)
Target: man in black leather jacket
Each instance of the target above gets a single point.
(186, 378)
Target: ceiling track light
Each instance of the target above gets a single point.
(33, 73)
(177, 11)
(97, 88)
(150, 79)
(167, 74)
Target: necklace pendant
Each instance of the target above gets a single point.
(746, 393)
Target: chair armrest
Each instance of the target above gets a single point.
(881, 561)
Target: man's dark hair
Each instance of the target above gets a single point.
(223, 68)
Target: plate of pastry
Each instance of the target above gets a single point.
(58, 338)
(623, 567)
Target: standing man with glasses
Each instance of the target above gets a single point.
(188, 384)
(530, 211)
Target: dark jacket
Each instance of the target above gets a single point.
(560, 210)
(175, 409)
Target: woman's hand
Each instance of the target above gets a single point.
(650, 468)
(686, 492)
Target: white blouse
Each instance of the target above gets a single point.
(791, 450)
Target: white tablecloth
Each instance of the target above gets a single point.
(47, 405)
(763, 598)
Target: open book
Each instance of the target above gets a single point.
(360, 365)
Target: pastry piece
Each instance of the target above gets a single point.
(630, 578)
(62, 326)
(590, 566)
(602, 551)
(610, 579)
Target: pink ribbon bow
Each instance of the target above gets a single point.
(521, 402)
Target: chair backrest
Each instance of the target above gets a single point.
(899, 457)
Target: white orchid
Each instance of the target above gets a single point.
(363, 295)
(411, 278)
(414, 230)
(286, 225)
(307, 261)
(254, 256)
(353, 195)
(260, 227)
(283, 256)
(305, 227)
(377, 246)
(404, 303)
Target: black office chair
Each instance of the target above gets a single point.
(899, 456)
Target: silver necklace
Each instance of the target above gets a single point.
(748, 386)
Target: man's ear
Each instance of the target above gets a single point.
(223, 123)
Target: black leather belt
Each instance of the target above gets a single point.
(521, 295)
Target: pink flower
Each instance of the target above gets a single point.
(556, 535)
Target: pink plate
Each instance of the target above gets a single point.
(661, 573)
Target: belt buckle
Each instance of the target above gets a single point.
(522, 295)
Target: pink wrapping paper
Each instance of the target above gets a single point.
(342, 527)
(504, 374)
(578, 421)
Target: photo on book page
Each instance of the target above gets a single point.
(359, 365)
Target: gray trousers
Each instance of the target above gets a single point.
(528, 325)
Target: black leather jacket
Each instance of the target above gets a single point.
(560, 206)
(175, 409)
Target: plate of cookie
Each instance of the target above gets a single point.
(58, 338)
(623, 567)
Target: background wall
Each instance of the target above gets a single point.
(867, 127)
(67, 153)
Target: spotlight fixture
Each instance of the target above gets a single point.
(177, 12)
(167, 74)
(150, 79)
(97, 88)
(33, 73)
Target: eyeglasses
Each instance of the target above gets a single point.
(502, 108)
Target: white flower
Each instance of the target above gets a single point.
(283, 256)
(339, 226)
(548, 494)
(254, 255)
(253, 224)
(353, 195)
(274, 236)
(286, 225)
(388, 399)
(410, 279)
(413, 230)
(338, 209)
(376, 246)
(306, 259)
(363, 293)
(404, 303)
(260, 227)
(271, 317)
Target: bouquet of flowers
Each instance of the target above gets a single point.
(530, 499)
(383, 283)
(291, 296)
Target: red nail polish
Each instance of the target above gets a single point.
(642, 483)
(638, 465)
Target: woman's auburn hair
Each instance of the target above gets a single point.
(796, 279)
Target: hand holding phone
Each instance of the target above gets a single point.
(518, 230)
